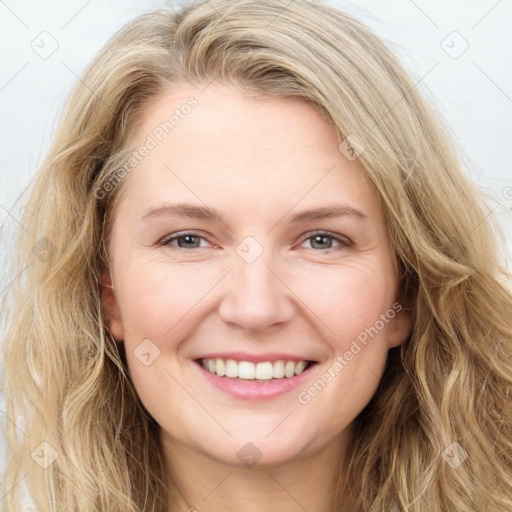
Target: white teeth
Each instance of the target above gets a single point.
(278, 370)
(231, 368)
(246, 370)
(264, 371)
(220, 367)
(289, 369)
(250, 371)
(299, 367)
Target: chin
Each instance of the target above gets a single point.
(260, 453)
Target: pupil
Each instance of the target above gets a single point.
(188, 240)
(322, 240)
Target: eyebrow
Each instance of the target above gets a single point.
(183, 210)
(191, 211)
(327, 212)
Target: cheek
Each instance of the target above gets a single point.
(168, 303)
(158, 297)
(160, 307)
(164, 301)
(346, 300)
(356, 305)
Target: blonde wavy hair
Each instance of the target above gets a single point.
(67, 382)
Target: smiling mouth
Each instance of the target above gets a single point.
(256, 372)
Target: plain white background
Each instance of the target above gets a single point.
(459, 52)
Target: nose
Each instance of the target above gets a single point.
(256, 297)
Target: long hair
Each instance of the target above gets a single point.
(79, 436)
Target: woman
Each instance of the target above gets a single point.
(256, 278)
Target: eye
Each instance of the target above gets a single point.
(325, 241)
(187, 240)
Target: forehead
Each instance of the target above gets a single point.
(222, 113)
(217, 142)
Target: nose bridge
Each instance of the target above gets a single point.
(254, 278)
(255, 297)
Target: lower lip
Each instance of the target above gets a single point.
(250, 390)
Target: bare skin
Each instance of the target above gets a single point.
(310, 295)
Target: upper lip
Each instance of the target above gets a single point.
(254, 358)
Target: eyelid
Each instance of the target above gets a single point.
(173, 236)
(343, 240)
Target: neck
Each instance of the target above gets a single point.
(303, 484)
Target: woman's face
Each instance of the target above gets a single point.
(245, 234)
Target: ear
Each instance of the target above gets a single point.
(111, 307)
(400, 326)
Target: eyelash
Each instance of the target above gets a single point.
(343, 242)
